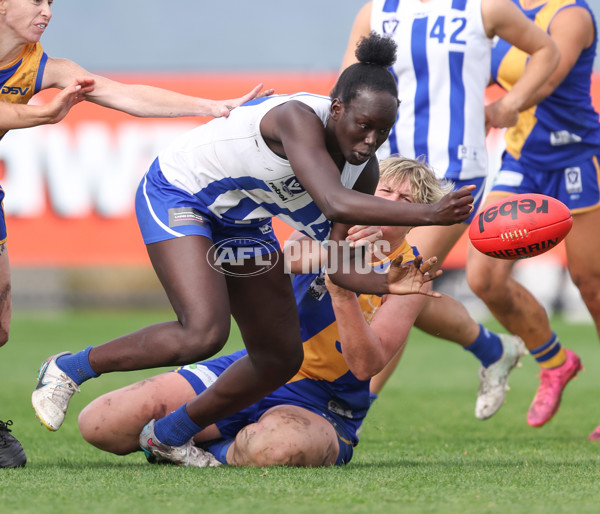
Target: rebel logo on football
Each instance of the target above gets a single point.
(511, 209)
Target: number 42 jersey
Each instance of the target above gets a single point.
(442, 70)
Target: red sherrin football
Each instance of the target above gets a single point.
(520, 226)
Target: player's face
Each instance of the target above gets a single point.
(27, 19)
(364, 124)
(398, 193)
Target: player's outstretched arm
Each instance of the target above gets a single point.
(139, 99)
(15, 116)
(368, 347)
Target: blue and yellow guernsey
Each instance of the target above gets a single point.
(22, 78)
(564, 126)
(324, 377)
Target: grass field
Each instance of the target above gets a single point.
(421, 450)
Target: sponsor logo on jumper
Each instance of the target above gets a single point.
(511, 209)
(317, 288)
(563, 137)
(573, 180)
(13, 90)
(179, 216)
(286, 189)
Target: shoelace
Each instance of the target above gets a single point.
(4, 430)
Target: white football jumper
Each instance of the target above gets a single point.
(442, 71)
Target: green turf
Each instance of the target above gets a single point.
(421, 449)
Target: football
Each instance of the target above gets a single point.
(520, 226)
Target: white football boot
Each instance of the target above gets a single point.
(185, 455)
(52, 394)
(494, 379)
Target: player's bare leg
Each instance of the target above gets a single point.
(448, 319)
(198, 295)
(286, 435)
(265, 311)
(511, 304)
(5, 295)
(521, 314)
(585, 271)
(113, 421)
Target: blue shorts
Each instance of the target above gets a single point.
(477, 193)
(575, 186)
(165, 211)
(203, 374)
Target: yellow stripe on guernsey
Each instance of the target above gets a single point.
(322, 359)
(511, 69)
(20, 86)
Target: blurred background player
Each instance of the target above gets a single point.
(552, 150)
(217, 187)
(442, 72)
(25, 69)
(313, 420)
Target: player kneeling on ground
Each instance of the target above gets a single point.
(312, 420)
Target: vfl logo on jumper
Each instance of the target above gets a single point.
(267, 228)
(242, 256)
(573, 180)
(286, 189)
(390, 26)
(179, 216)
(8, 90)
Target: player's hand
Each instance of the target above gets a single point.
(224, 107)
(363, 235)
(455, 207)
(412, 277)
(500, 114)
(62, 103)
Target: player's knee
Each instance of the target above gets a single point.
(590, 292)
(89, 422)
(267, 443)
(3, 335)
(481, 282)
(103, 431)
(282, 366)
(197, 342)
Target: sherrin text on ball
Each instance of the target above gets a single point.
(520, 226)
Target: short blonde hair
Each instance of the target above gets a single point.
(424, 185)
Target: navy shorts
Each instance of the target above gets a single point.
(203, 374)
(576, 186)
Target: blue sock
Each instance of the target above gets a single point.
(219, 449)
(177, 428)
(77, 366)
(487, 347)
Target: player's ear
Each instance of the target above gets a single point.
(336, 109)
